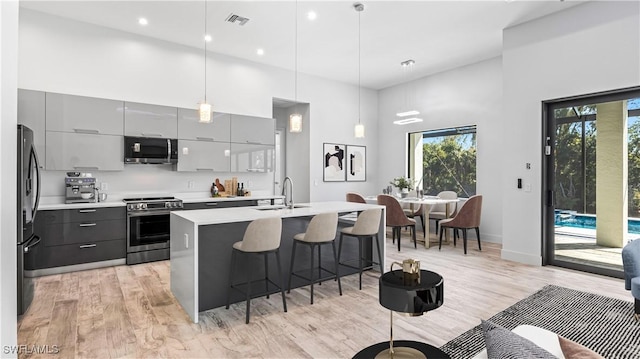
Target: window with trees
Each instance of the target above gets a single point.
(444, 160)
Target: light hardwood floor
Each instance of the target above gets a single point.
(129, 311)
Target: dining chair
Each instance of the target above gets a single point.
(418, 212)
(396, 219)
(355, 197)
(468, 217)
(439, 211)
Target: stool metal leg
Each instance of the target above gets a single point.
(335, 258)
(229, 287)
(266, 273)
(293, 255)
(311, 271)
(379, 253)
(360, 250)
(284, 300)
(340, 247)
(248, 292)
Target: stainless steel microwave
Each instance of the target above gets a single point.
(150, 150)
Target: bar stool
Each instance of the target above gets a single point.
(321, 230)
(261, 237)
(366, 227)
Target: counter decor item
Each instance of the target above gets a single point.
(403, 184)
(219, 186)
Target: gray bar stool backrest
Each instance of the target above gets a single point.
(262, 235)
(368, 222)
(322, 228)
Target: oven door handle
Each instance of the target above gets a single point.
(145, 214)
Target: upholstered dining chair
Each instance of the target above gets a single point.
(396, 219)
(439, 211)
(416, 212)
(355, 197)
(468, 217)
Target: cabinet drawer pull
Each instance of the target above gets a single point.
(151, 134)
(86, 168)
(87, 224)
(204, 169)
(254, 143)
(86, 210)
(205, 138)
(83, 130)
(88, 246)
(211, 204)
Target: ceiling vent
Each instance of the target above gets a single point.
(233, 18)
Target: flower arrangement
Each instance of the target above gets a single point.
(402, 183)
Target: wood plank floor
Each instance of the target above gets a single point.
(129, 311)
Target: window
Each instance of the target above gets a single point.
(444, 160)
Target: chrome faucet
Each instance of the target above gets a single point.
(284, 188)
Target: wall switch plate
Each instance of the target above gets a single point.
(185, 150)
(527, 187)
(186, 240)
(189, 184)
(104, 186)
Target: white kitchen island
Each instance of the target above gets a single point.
(201, 244)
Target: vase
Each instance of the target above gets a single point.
(404, 192)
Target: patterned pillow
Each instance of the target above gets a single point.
(573, 350)
(501, 343)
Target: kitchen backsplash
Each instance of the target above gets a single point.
(159, 179)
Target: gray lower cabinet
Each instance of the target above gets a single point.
(84, 152)
(252, 158)
(146, 120)
(77, 236)
(203, 156)
(221, 204)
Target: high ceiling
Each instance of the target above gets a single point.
(438, 35)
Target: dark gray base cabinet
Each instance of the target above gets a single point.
(77, 236)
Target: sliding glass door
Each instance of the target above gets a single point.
(591, 180)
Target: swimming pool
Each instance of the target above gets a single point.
(575, 220)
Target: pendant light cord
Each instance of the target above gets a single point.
(295, 50)
(359, 86)
(205, 51)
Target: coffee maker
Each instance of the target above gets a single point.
(80, 188)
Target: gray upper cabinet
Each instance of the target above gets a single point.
(203, 156)
(252, 158)
(189, 127)
(84, 152)
(31, 113)
(80, 114)
(252, 130)
(145, 120)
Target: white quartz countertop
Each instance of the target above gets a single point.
(57, 202)
(243, 214)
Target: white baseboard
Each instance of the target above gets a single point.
(521, 257)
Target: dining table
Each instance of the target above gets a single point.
(426, 202)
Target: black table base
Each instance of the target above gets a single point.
(427, 350)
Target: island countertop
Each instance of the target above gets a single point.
(202, 217)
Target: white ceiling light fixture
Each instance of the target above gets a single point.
(260, 52)
(143, 21)
(359, 129)
(205, 107)
(295, 119)
(407, 66)
(406, 121)
(208, 38)
(311, 15)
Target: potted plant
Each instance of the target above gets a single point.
(403, 184)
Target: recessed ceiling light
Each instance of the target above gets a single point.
(208, 38)
(311, 15)
(260, 52)
(143, 21)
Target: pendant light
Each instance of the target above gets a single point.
(359, 129)
(295, 119)
(205, 107)
(407, 116)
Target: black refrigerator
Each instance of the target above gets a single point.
(28, 197)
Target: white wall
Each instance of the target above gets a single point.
(65, 56)
(8, 153)
(588, 48)
(463, 96)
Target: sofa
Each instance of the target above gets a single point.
(631, 264)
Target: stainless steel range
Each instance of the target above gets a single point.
(148, 229)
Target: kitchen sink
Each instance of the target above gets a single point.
(277, 208)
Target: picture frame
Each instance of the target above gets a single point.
(333, 162)
(356, 161)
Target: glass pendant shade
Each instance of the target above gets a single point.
(205, 112)
(359, 131)
(295, 123)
